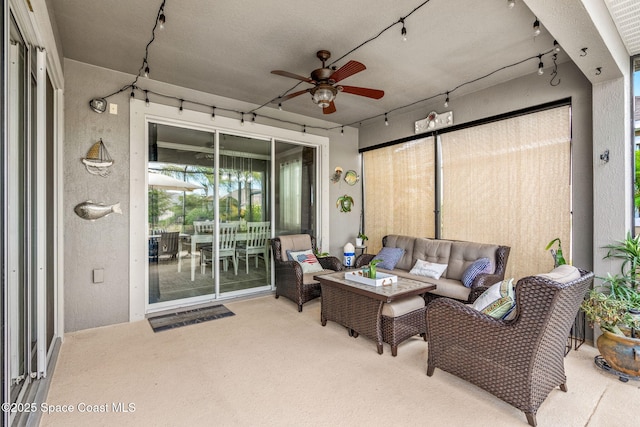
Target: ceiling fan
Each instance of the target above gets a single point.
(324, 81)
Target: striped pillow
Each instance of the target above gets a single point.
(498, 300)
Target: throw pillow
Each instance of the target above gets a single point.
(482, 265)
(562, 274)
(428, 269)
(498, 300)
(307, 261)
(390, 257)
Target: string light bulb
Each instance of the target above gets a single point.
(403, 31)
(556, 46)
(161, 18)
(253, 119)
(386, 121)
(133, 94)
(146, 98)
(342, 131)
(511, 3)
(242, 120)
(213, 114)
(446, 101)
(536, 28)
(180, 110)
(304, 129)
(280, 106)
(540, 66)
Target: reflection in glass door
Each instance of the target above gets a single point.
(208, 214)
(295, 188)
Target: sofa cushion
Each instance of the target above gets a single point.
(482, 265)
(403, 242)
(389, 257)
(402, 306)
(562, 274)
(498, 300)
(444, 287)
(307, 260)
(431, 250)
(463, 254)
(428, 269)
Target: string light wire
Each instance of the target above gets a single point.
(145, 64)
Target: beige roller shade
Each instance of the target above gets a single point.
(509, 182)
(399, 191)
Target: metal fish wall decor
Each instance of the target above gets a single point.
(92, 211)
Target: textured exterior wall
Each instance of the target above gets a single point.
(105, 243)
(100, 244)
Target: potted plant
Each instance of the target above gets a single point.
(361, 239)
(615, 307)
(372, 267)
(558, 258)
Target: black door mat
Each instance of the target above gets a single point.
(189, 317)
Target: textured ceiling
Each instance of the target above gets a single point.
(626, 15)
(228, 48)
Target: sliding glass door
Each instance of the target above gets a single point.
(209, 216)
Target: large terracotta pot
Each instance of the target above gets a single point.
(621, 353)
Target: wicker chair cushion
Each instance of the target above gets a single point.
(498, 300)
(294, 242)
(389, 257)
(562, 274)
(482, 265)
(402, 306)
(306, 259)
(308, 278)
(428, 269)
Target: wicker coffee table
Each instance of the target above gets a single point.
(358, 307)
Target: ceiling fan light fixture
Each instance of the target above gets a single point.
(323, 95)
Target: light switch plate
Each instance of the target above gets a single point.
(98, 275)
(113, 108)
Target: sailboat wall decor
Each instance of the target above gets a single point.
(98, 161)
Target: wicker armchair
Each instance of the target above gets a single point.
(290, 281)
(521, 360)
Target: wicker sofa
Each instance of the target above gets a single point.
(458, 255)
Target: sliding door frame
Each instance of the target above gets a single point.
(140, 116)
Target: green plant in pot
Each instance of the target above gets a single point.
(361, 239)
(557, 255)
(372, 267)
(615, 307)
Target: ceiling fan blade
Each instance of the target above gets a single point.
(363, 91)
(292, 95)
(292, 75)
(348, 69)
(330, 109)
